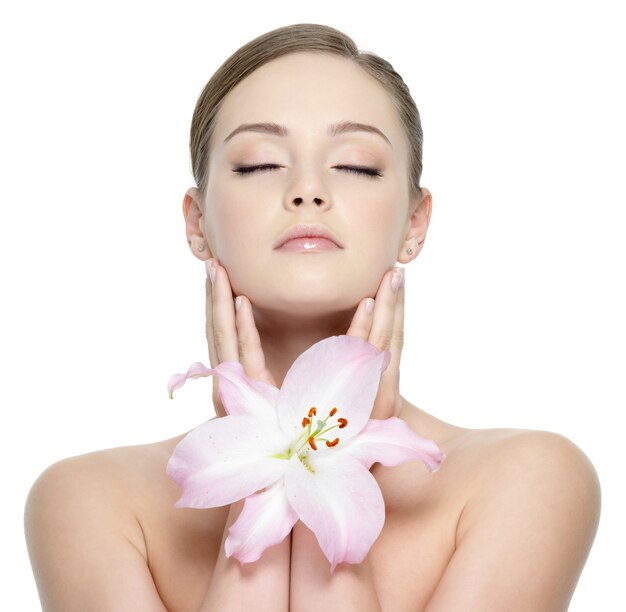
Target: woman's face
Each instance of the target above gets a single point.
(244, 214)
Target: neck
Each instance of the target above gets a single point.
(284, 337)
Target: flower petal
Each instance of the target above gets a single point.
(227, 459)
(196, 370)
(341, 503)
(266, 519)
(340, 371)
(240, 394)
(391, 442)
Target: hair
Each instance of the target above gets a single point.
(301, 37)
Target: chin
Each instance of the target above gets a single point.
(305, 299)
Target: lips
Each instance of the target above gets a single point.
(307, 230)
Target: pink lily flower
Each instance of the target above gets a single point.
(275, 450)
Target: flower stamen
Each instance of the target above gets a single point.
(310, 438)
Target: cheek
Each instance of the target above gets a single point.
(235, 221)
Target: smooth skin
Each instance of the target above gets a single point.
(504, 526)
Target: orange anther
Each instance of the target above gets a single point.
(342, 422)
(333, 443)
(332, 412)
(305, 422)
(312, 412)
(312, 443)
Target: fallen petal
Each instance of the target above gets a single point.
(265, 520)
(341, 503)
(391, 442)
(226, 459)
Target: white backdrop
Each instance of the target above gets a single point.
(515, 308)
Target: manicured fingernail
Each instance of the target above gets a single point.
(397, 278)
(238, 302)
(369, 305)
(210, 270)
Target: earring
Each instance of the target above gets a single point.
(409, 251)
(200, 247)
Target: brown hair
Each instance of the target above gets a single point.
(307, 37)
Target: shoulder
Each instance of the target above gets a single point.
(105, 475)
(544, 462)
(540, 473)
(83, 532)
(530, 517)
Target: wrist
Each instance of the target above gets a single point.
(349, 588)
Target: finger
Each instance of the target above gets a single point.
(397, 332)
(213, 357)
(250, 350)
(387, 400)
(224, 328)
(361, 323)
(220, 411)
(383, 334)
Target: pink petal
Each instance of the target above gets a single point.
(240, 394)
(227, 459)
(266, 519)
(341, 503)
(340, 371)
(196, 370)
(391, 442)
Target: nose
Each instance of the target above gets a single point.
(305, 187)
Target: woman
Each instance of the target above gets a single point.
(300, 128)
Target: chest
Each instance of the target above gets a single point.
(407, 559)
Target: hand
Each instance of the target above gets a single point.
(231, 334)
(384, 328)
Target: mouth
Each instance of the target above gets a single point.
(309, 244)
(315, 235)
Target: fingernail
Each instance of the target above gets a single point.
(238, 301)
(369, 305)
(398, 277)
(210, 270)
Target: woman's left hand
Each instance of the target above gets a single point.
(384, 328)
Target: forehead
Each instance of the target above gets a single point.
(307, 92)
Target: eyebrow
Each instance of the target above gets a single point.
(333, 130)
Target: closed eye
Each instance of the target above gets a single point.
(251, 169)
(362, 170)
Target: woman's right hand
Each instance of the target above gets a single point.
(231, 334)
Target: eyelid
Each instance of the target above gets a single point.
(362, 170)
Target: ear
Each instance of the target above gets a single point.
(192, 211)
(418, 221)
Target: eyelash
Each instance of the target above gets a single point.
(361, 170)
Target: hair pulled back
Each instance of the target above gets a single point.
(301, 37)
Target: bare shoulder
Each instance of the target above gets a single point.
(83, 532)
(530, 515)
(544, 464)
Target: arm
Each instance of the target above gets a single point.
(523, 540)
(350, 588)
(88, 551)
(84, 550)
(262, 586)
